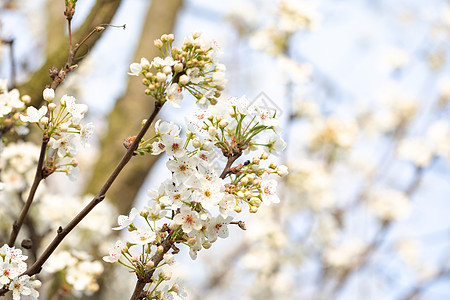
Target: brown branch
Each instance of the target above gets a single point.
(37, 179)
(147, 276)
(62, 232)
(57, 79)
(231, 160)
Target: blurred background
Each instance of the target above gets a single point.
(363, 88)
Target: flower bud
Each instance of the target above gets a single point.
(134, 258)
(244, 180)
(191, 241)
(253, 209)
(51, 106)
(196, 34)
(178, 67)
(264, 156)
(169, 258)
(207, 244)
(167, 70)
(158, 43)
(175, 288)
(144, 213)
(48, 94)
(196, 144)
(220, 68)
(26, 99)
(237, 209)
(212, 131)
(184, 79)
(161, 77)
(256, 160)
(165, 275)
(240, 195)
(272, 166)
(170, 37)
(43, 121)
(150, 264)
(247, 194)
(255, 202)
(223, 124)
(282, 170)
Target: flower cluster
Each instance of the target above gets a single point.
(192, 67)
(78, 271)
(205, 187)
(11, 105)
(61, 125)
(12, 265)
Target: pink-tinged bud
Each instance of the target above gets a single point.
(158, 43)
(160, 249)
(196, 144)
(256, 181)
(150, 264)
(170, 37)
(191, 241)
(272, 166)
(196, 34)
(175, 288)
(223, 124)
(134, 258)
(247, 194)
(264, 156)
(165, 275)
(184, 79)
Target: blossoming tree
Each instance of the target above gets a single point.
(193, 207)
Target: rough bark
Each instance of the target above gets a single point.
(102, 12)
(129, 110)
